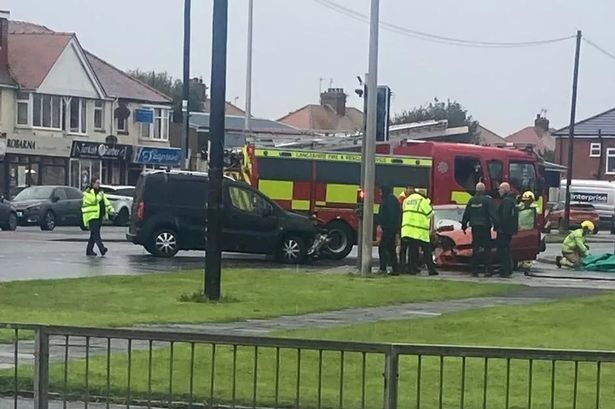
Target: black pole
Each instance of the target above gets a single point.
(186, 86)
(213, 255)
(573, 112)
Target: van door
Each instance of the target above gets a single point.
(250, 221)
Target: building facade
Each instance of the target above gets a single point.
(68, 116)
(593, 148)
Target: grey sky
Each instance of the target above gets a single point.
(298, 41)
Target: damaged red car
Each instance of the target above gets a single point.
(453, 247)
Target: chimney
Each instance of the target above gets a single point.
(542, 123)
(4, 38)
(336, 99)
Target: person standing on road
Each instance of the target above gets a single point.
(95, 208)
(389, 216)
(507, 226)
(416, 220)
(575, 247)
(480, 214)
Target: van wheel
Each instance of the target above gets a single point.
(341, 241)
(292, 250)
(164, 243)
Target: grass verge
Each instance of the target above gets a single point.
(155, 299)
(584, 323)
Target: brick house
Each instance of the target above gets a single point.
(594, 147)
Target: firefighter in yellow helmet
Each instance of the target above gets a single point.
(575, 248)
(527, 220)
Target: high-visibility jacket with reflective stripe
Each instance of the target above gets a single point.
(90, 206)
(416, 217)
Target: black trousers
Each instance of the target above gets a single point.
(95, 238)
(404, 257)
(504, 253)
(414, 263)
(481, 248)
(386, 250)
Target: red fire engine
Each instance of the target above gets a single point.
(325, 184)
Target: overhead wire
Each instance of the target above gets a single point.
(332, 5)
(597, 47)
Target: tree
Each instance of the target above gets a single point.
(173, 88)
(438, 110)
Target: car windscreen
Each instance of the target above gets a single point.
(582, 206)
(448, 217)
(34, 193)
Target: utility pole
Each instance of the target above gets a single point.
(213, 255)
(573, 113)
(362, 185)
(370, 142)
(186, 88)
(247, 129)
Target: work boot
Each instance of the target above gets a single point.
(558, 261)
(91, 254)
(433, 273)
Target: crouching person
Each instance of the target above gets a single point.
(575, 248)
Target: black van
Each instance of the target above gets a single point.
(168, 215)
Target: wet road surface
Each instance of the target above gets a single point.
(30, 253)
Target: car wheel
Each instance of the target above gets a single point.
(11, 224)
(613, 228)
(292, 250)
(341, 241)
(164, 243)
(122, 218)
(48, 223)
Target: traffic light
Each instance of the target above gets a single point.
(383, 113)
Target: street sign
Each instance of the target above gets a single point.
(383, 113)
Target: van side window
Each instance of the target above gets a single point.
(468, 172)
(191, 193)
(246, 200)
(522, 176)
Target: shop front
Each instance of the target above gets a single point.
(33, 160)
(148, 157)
(109, 162)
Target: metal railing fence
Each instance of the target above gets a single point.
(67, 367)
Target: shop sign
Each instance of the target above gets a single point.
(146, 155)
(93, 150)
(36, 145)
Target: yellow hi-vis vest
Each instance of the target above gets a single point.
(416, 217)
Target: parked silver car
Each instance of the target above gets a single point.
(121, 198)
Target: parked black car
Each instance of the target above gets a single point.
(8, 215)
(49, 206)
(168, 215)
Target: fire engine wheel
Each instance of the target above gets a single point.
(292, 250)
(341, 241)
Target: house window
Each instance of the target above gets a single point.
(610, 161)
(78, 115)
(122, 124)
(47, 111)
(99, 115)
(594, 150)
(23, 108)
(161, 124)
(159, 129)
